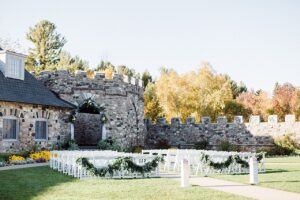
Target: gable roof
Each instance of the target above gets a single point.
(29, 90)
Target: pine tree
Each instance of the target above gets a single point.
(47, 45)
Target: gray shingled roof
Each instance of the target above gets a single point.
(29, 90)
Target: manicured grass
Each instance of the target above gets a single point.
(283, 173)
(42, 183)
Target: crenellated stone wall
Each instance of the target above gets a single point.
(122, 97)
(250, 135)
(26, 115)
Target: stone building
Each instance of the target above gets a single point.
(121, 96)
(30, 114)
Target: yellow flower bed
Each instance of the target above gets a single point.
(15, 158)
(41, 154)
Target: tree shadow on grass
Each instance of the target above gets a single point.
(271, 171)
(283, 181)
(24, 184)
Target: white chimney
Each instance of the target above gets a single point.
(12, 64)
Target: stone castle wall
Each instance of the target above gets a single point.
(250, 135)
(26, 115)
(122, 97)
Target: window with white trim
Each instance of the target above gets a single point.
(41, 129)
(10, 128)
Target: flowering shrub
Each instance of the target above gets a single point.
(16, 158)
(40, 156)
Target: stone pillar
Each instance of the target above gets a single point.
(104, 134)
(253, 171)
(185, 173)
(72, 131)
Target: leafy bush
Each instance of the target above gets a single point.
(108, 144)
(274, 151)
(286, 142)
(202, 144)
(282, 146)
(4, 157)
(70, 145)
(225, 145)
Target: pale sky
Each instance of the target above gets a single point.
(257, 42)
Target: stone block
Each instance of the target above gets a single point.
(290, 118)
(117, 77)
(238, 119)
(99, 76)
(222, 120)
(175, 121)
(140, 83)
(132, 80)
(206, 120)
(254, 119)
(80, 73)
(161, 121)
(126, 79)
(190, 120)
(272, 119)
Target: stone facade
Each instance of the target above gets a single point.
(26, 115)
(121, 96)
(249, 135)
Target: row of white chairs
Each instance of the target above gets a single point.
(173, 159)
(65, 162)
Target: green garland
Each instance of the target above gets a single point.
(121, 163)
(240, 161)
(231, 159)
(218, 165)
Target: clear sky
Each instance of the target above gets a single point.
(257, 42)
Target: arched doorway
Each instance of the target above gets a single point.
(88, 126)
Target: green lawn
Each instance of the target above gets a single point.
(283, 173)
(42, 183)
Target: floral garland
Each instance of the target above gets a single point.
(121, 163)
(231, 159)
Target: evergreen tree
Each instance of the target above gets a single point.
(147, 78)
(47, 45)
